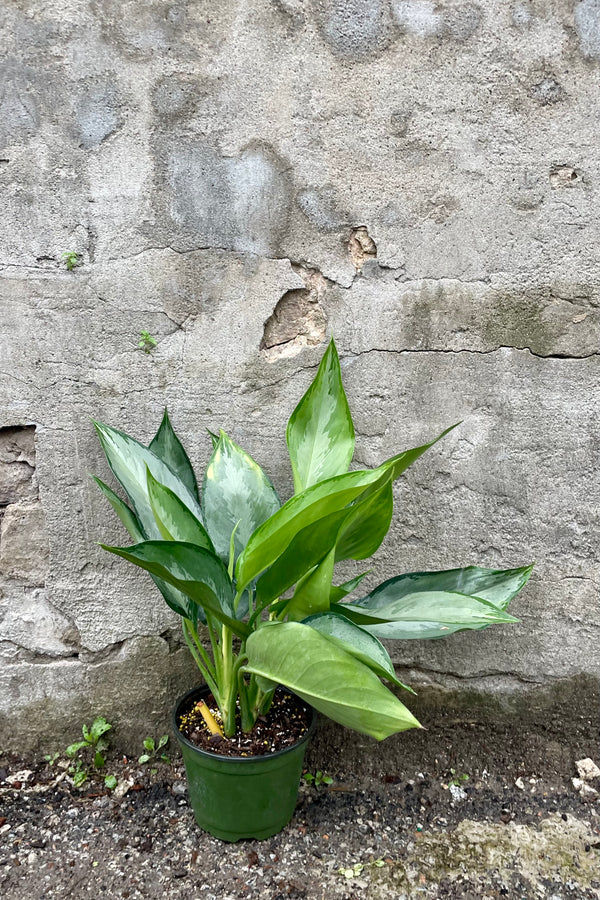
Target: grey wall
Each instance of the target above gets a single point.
(243, 179)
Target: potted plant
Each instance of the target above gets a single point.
(255, 579)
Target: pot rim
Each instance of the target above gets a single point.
(204, 688)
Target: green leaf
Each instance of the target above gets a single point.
(322, 499)
(175, 599)
(214, 438)
(163, 741)
(149, 745)
(72, 749)
(320, 433)
(327, 677)
(424, 614)
(305, 551)
(110, 782)
(169, 448)
(144, 758)
(99, 727)
(191, 569)
(367, 524)
(124, 513)
(235, 489)
(338, 592)
(79, 778)
(312, 594)
(175, 521)
(128, 460)
(496, 586)
(98, 760)
(356, 641)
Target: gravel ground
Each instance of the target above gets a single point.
(516, 828)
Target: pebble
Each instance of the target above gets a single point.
(19, 777)
(179, 788)
(585, 791)
(457, 792)
(587, 769)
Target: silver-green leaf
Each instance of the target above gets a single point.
(235, 490)
(358, 642)
(174, 519)
(320, 433)
(327, 677)
(169, 448)
(128, 460)
(493, 586)
(425, 614)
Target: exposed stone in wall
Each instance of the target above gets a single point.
(355, 28)
(298, 319)
(45, 700)
(23, 543)
(564, 176)
(233, 202)
(97, 114)
(27, 620)
(32, 628)
(361, 247)
(23, 540)
(17, 465)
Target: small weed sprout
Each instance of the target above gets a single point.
(318, 779)
(147, 342)
(152, 750)
(94, 743)
(457, 780)
(71, 259)
(352, 871)
(52, 757)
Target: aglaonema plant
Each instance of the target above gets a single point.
(235, 563)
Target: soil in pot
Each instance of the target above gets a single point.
(287, 721)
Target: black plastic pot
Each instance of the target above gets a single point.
(235, 797)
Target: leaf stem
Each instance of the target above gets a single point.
(228, 682)
(207, 661)
(199, 661)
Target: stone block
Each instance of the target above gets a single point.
(24, 543)
(29, 622)
(17, 464)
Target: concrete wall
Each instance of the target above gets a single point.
(242, 179)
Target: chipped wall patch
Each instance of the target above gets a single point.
(298, 320)
(361, 247)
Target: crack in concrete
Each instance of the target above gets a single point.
(509, 677)
(562, 356)
(27, 655)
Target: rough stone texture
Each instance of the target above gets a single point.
(133, 683)
(17, 465)
(242, 180)
(23, 543)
